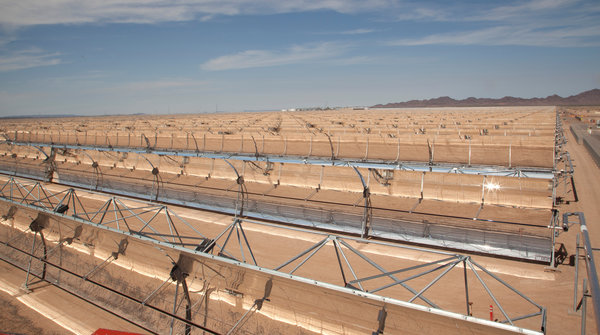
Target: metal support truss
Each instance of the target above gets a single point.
(161, 225)
(563, 175)
(36, 231)
(368, 210)
(563, 166)
(337, 243)
(536, 248)
(105, 287)
(113, 256)
(488, 170)
(209, 244)
(156, 181)
(242, 194)
(97, 172)
(50, 164)
(258, 303)
(555, 228)
(179, 275)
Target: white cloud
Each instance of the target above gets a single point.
(358, 31)
(512, 21)
(485, 36)
(412, 13)
(35, 12)
(266, 58)
(28, 58)
(553, 23)
(453, 11)
(513, 35)
(523, 9)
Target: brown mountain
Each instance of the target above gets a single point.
(591, 97)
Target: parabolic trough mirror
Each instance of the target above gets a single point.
(290, 199)
(145, 238)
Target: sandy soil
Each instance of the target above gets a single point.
(49, 310)
(19, 319)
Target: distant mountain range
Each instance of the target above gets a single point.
(587, 98)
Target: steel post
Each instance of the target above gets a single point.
(30, 259)
(584, 307)
(576, 282)
(466, 287)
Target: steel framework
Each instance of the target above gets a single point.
(530, 247)
(484, 170)
(160, 224)
(561, 175)
(536, 248)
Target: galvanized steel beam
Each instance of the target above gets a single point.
(489, 170)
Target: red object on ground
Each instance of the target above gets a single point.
(102, 331)
(491, 313)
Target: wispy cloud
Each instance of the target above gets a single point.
(358, 31)
(456, 11)
(554, 23)
(524, 9)
(510, 35)
(35, 12)
(532, 21)
(267, 58)
(24, 59)
(420, 13)
(527, 35)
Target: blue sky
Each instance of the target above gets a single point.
(190, 56)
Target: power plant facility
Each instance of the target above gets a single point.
(347, 221)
